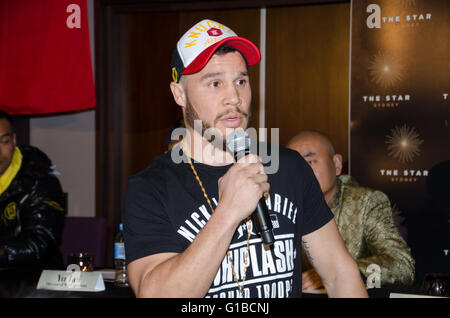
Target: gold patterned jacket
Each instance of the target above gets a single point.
(365, 222)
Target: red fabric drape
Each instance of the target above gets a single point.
(45, 58)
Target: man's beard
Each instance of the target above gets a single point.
(191, 116)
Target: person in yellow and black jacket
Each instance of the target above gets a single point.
(31, 205)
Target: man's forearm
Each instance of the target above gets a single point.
(347, 283)
(191, 273)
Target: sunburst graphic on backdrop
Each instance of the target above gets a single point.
(385, 70)
(403, 143)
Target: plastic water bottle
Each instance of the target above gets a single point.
(119, 259)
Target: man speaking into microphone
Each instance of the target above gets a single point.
(190, 226)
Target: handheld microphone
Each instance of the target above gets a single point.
(238, 143)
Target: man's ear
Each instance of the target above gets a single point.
(14, 139)
(179, 93)
(337, 160)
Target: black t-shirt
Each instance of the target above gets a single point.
(165, 208)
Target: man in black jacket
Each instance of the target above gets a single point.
(31, 205)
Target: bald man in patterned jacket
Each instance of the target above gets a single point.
(363, 215)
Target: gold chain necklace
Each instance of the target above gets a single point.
(230, 258)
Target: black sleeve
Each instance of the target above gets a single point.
(41, 222)
(316, 212)
(146, 224)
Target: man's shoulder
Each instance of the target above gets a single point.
(161, 183)
(35, 155)
(287, 157)
(35, 163)
(36, 175)
(283, 151)
(160, 169)
(355, 192)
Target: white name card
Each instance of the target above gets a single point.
(71, 281)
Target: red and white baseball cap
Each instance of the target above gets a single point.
(199, 43)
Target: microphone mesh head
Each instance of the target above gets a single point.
(238, 141)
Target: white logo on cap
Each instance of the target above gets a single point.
(214, 32)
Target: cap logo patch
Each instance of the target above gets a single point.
(215, 32)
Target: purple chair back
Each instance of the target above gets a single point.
(85, 234)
